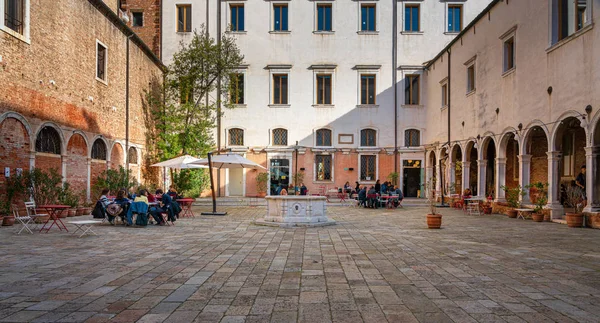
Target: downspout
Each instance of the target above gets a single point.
(127, 108)
(207, 35)
(395, 80)
(442, 174)
(219, 96)
(160, 26)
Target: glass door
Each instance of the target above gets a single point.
(280, 175)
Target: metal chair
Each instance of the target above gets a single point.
(25, 221)
(30, 209)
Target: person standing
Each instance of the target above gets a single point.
(580, 182)
(377, 186)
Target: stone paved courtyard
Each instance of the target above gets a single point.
(373, 266)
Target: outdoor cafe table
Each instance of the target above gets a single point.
(54, 211)
(186, 207)
(474, 199)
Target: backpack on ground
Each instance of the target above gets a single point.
(142, 220)
(98, 212)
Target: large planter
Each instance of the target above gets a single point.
(87, 211)
(80, 210)
(434, 221)
(574, 220)
(62, 213)
(487, 210)
(1, 218)
(537, 217)
(8, 220)
(511, 214)
(71, 212)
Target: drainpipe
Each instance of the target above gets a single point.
(219, 96)
(448, 152)
(127, 107)
(394, 79)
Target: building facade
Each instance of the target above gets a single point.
(317, 90)
(514, 100)
(73, 91)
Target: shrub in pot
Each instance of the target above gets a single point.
(541, 199)
(68, 197)
(513, 199)
(434, 219)
(261, 184)
(574, 199)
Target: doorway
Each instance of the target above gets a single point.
(236, 178)
(411, 178)
(280, 174)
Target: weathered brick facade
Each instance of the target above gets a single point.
(150, 32)
(49, 80)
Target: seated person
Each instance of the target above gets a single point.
(362, 196)
(347, 188)
(467, 193)
(172, 192)
(142, 197)
(303, 189)
(99, 211)
(123, 202)
(397, 201)
(283, 191)
(151, 197)
(163, 207)
(384, 188)
(372, 197)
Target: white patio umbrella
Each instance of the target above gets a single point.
(224, 161)
(181, 162)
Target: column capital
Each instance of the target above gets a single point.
(553, 155)
(500, 161)
(525, 158)
(592, 151)
(481, 162)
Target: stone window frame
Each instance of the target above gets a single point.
(454, 3)
(240, 71)
(554, 32)
(272, 6)
(287, 136)
(471, 85)
(230, 6)
(444, 93)
(134, 11)
(99, 146)
(229, 136)
(360, 137)
(279, 70)
(317, 4)
(417, 3)
(331, 168)
(133, 150)
(105, 80)
(509, 35)
(373, 180)
(25, 37)
(419, 133)
(371, 3)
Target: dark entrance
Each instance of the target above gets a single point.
(280, 174)
(411, 178)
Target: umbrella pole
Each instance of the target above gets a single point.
(212, 189)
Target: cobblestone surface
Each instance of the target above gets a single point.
(373, 266)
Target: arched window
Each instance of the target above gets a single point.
(280, 137)
(412, 138)
(368, 138)
(99, 150)
(236, 137)
(48, 141)
(132, 155)
(323, 137)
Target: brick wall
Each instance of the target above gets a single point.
(539, 158)
(512, 165)
(14, 148)
(117, 158)
(52, 78)
(48, 161)
(150, 32)
(97, 167)
(77, 165)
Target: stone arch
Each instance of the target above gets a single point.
(15, 146)
(525, 139)
(99, 150)
(471, 155)
(58, 130)
(569, 140)
(456, 157)
(568, 115)
(77, 163)
(117, 155)
(24, 122)
(535, 145)
(508, 154)
(488, 153)
(595, 130)
(105, 143)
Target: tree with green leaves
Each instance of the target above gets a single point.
(186, 115)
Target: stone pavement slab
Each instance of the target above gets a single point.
(372, 266)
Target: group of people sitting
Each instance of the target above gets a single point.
(285, 190)
(125, 205)
(369, 196)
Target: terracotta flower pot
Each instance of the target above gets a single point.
(487, 210)
(434, 221)
(1, 218)
(71, 212)
(537, 217)
(80, 210)
(87, 211)
(574, 220)
(8, 220)
(511, 214)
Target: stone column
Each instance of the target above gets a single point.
(429, 171)
(466, 169)
(500, 179)
(32, 160)
(88, 187)
(481, 169)
(451, 177)
(64, 167)
(554, 205)
(524, 175)
(438, 178)
(592, 185)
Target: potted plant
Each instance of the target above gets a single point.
(574, 199)
(67, 197)
(541, 198)
(434, 219)
(87, 208)
(261, 184)
(393, 177)
(513, 198)
(4, 211)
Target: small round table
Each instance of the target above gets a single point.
(186, 207)
(54, 211)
